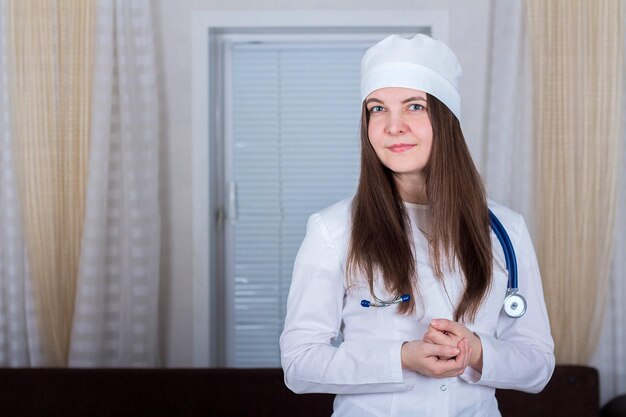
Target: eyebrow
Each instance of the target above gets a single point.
(375, 100)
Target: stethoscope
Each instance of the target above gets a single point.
(514, 304)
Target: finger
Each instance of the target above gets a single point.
(469, 355)
(427, 337)
(439, 338)
(454, 366)
(462, 343)
(446, 325)
(442, 351)
(462, 354)
(431, 329)
(466, 353)
(461, 360)
(451, 368)
(442, 368)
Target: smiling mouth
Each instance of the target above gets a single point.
(400, 147)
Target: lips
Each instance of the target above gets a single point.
(400, 147)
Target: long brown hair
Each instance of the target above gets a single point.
(380, 238)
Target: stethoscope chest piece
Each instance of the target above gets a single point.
(514, 305)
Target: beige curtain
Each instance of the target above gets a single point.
(50, 56)
(577, 70)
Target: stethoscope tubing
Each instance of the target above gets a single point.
(514, 304)
(509, 251)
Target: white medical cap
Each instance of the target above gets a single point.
(421, 63)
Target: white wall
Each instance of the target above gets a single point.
(469, 38)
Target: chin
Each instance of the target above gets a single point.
(404, 169)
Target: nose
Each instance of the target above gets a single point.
(396, 126)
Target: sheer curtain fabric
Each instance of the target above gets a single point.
(509, 168)
(610, 357)
(19, 334)
(116, 314)
(50, 101)
(509, 151)
(578, 72)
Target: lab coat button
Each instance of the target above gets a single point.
(443, 387)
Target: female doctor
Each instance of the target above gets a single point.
(397, 293)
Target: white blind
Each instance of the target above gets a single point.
(294, 149)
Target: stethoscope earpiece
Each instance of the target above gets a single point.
(382, 303)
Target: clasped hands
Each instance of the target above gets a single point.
(445, 350)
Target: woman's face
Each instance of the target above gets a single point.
(399, 129)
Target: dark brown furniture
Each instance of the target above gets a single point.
(573, 391)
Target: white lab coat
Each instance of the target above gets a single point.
(331, 344)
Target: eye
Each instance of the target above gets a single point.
(416, 107)
(376, 109)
